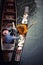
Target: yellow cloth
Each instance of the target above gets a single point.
(22, 28)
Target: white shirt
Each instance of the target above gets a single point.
(25, 20)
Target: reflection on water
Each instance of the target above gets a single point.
(22, 3)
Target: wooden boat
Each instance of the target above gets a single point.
(8, 16)
(22, 28)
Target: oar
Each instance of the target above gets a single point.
(32, 24)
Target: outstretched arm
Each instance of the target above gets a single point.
(15, 38)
